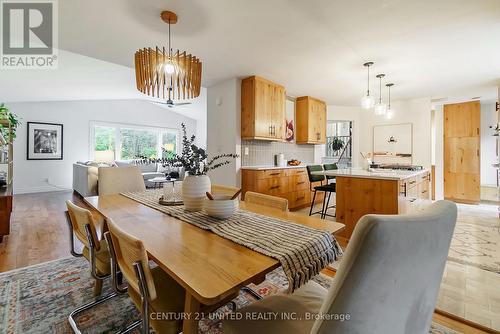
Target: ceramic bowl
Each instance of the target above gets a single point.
(220, 207)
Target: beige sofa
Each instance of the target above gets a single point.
(85, 176)
(85, 179)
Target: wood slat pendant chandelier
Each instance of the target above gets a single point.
(164, 74)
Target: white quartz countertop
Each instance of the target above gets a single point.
(267, 167)
(381, 174)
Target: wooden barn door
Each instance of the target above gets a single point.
(462, 152)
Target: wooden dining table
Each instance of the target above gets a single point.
(209, 267)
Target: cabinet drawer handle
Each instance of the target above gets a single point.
(301, 197)
(411, 200)
(275, 187)
(300, 182)
(424, 191)
(412, 182)
(274, 174)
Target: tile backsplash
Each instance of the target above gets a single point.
(262, 152)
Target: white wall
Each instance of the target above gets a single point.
(439, 152)
(343, 113)
(223, 125)
(31, 176)
(488, 144)
(417, 112)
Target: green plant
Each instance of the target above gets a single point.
(337, 144)
(14, 122)
(193, 158)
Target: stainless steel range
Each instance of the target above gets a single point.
(402, 167)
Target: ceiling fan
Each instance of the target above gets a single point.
(169, 103)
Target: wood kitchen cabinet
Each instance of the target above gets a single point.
(414, 193)
(290, 183)
(262, 109)
(310, 120)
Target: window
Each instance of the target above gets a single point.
(104, 138)
(126, 142)
(339, 141)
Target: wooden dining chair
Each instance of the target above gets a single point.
(388, 281)
(151, 289)
(266, 200)
(89, 231)
(218, 189)
(115, 180)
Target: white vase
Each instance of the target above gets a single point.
(194, 189)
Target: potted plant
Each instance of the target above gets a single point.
(5, 114)
(337, 144)
(196, 164)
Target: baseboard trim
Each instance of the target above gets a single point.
(39, 189)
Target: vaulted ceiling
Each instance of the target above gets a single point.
(428, 48)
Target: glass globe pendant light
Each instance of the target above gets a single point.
(389, 114)
(380, 107)
(367, 101)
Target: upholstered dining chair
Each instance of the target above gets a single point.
(218, 189)
(151, 289)
(387, 282)
(114, 180)
(266, 200)
(89, 232)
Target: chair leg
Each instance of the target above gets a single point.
(323, 207)
(98, 287)
(323, 215)
(312, 203)
(253, 293)
(72, 315)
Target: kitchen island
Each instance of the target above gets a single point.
(380, 191)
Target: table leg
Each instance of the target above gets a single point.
(192, 312)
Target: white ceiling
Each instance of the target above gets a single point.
(83, 78)
(428, 48)
(438, 49)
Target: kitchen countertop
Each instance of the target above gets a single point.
(381, 174)
(267, 167)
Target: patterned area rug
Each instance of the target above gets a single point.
(38, 299)
(476, 240)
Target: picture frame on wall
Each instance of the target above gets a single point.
(290, 119)
(45, 141)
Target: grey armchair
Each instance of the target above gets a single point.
(387, 282)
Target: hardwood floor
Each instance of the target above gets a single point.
(39, 230)
(39, 233)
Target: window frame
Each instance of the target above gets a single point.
(118, 140)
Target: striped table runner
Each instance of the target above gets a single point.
(301, 250)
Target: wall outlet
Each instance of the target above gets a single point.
(247, 151)
(45, 180)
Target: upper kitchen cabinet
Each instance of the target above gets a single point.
(310, 120)
(262, 109)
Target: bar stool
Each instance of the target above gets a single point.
(327, 167)
(326, 188)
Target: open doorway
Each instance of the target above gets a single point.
(465, 145)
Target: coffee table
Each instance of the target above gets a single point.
(159, 181)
